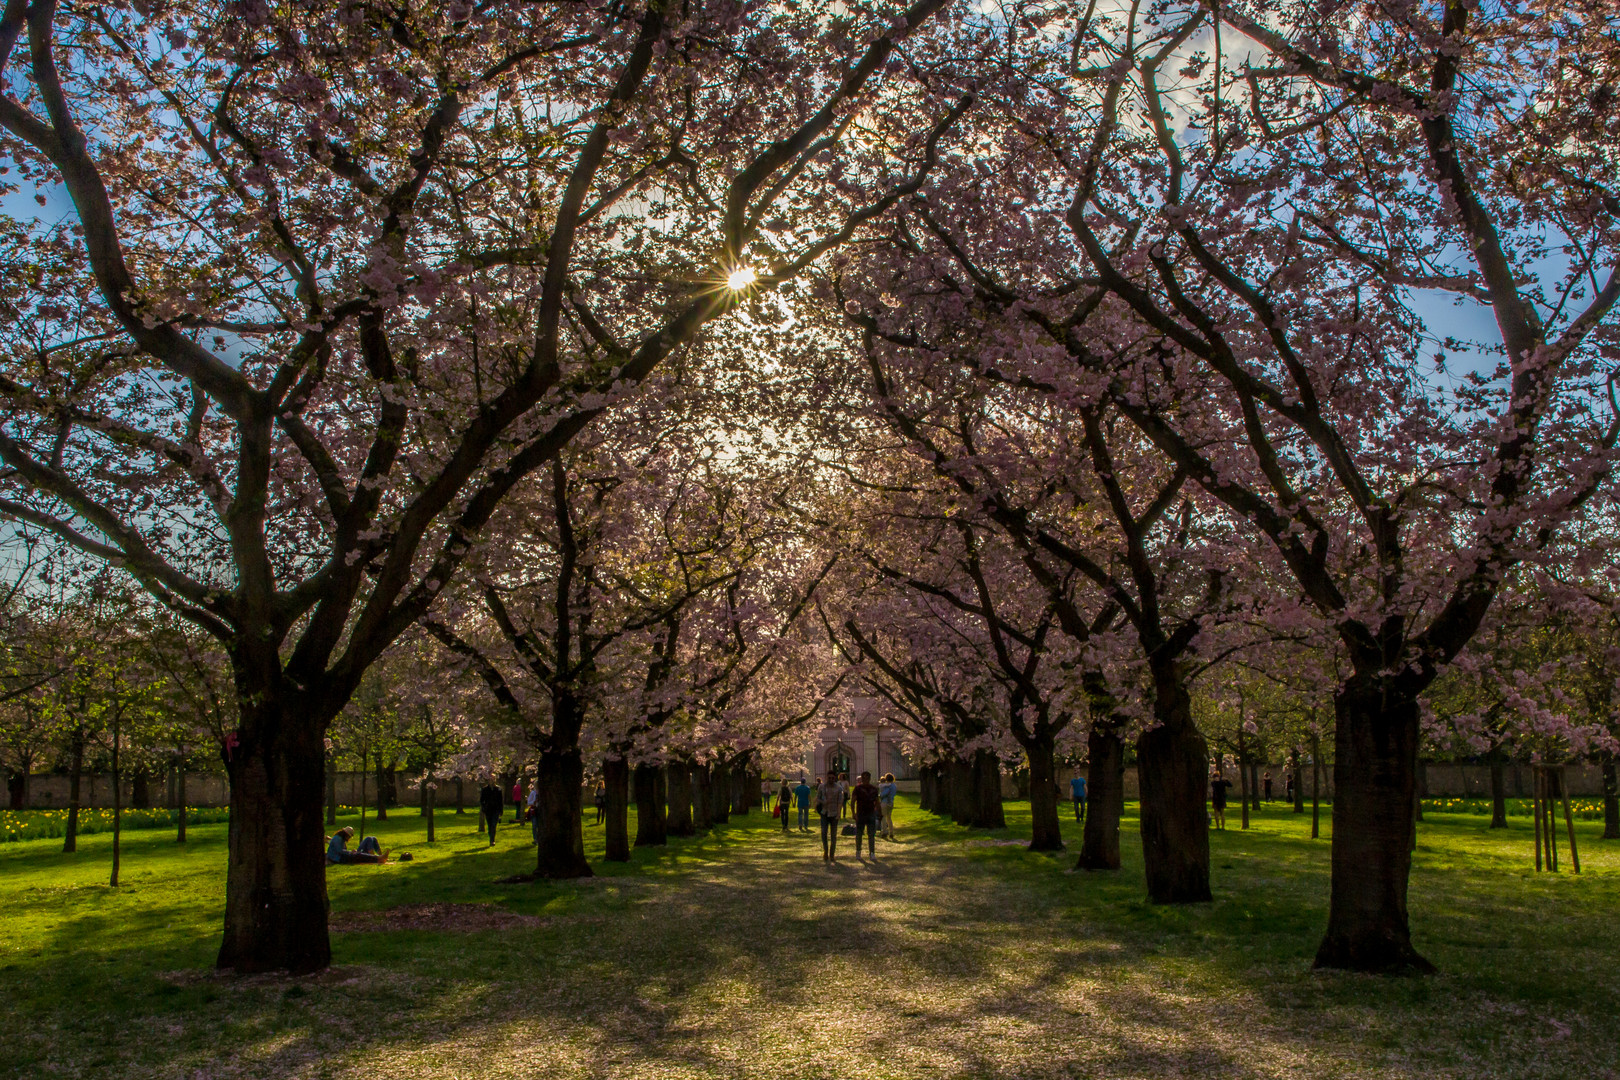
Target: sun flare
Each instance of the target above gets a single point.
(741, 278)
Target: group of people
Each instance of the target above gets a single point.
(1219, 786)
(832, 796)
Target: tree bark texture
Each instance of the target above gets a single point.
(1046, 831)
(1374, 787)
(561, 849)
(961, 801)
(986, 786)
(702, 797)
(1498, 796)
(616, 777)
(722, 793)
(679, 782)
(1172, 766)
(651, 816)
(275, 881)
(925, 789)
(1105, 799)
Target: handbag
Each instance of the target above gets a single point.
(848, 829)
(776, 811)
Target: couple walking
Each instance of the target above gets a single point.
(874, 806)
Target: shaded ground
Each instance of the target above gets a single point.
(740, 955)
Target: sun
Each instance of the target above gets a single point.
(741, 278)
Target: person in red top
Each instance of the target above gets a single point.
(517, 801)
(867, 814)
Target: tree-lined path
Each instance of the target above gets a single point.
(737, 954)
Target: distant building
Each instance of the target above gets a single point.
(868, 744)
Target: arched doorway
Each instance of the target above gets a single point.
(839, 759)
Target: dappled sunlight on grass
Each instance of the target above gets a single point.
(739, 953)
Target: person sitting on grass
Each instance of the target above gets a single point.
(337, 849)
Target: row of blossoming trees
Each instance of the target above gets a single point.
(1118, 352)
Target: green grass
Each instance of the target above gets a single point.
(739, 954)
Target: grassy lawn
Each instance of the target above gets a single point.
(739, 954)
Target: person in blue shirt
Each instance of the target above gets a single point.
(801, 798)
(1077, 789)
(337, 849)
(886, 793)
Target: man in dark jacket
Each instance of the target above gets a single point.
(491, 803)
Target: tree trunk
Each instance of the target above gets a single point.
(1498, 796)
(180, 804)
(1374, 785)
(1611, 801)
(616, 776)
(987, 809)
(1316, 787)
(721, 793)
(925, 789)
(678, 780)
(1299, 781)
(275, 881)
(1254, 784)
(1046, 832)
(118, 804)
(140, 791)
(1243, 779)
(430, 796)
(70, 842)
(651, 820)
(1105, 799)
(559, 812)
(461, 796)
(382, 793)
(17, 788)
(1172, 766)
(702, 797)
(961, 791)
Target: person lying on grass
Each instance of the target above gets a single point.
(337, 849)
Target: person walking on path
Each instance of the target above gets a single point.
(601, 801)
(867, 813)
(886, 793)
(830, 798)
(801, 795)
(489, 802)
(531, 810)
(1268, 785)
(784, 804)
(1217, 799)
(1077, 792)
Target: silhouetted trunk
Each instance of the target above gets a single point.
(925, 788)
(986, 786)
(140, 790)
(70, 842)
(461, 796)
(702, 797)
(275, 881)
(1105, 799)
(961, 791)
(118, 803)
(17, 789)
(382, 794)
(1374, 785)
(1254, 784)
(1611, 801)
(1316, 787)
(558, 811)
(430, 797)
(331, 789)
(651, 818)
(1298, 780)
(1243, 780)
(616, 778)
(180, 804)
(1046, 832)
(721, 795)
(678, 781)
(1498, 796)
(1172, 765)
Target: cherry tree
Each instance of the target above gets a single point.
(333, 278)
